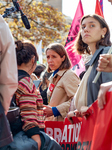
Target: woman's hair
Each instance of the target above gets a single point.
(45, 76)
(39, 69)
(60, 50)
(80, 46)
(25, 50)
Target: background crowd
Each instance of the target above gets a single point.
(58, 92)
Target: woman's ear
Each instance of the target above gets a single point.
(63, 58)
(33, 59)
(104, 31)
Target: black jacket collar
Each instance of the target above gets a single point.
(23, 73)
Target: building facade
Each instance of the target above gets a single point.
(56, 4)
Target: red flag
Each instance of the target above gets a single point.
(96, 130)
(98, 9)
(65, 133)
(74, 57)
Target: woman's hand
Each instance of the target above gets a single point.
(83, 112)
(105, 63)
(102, 93)
(47, 110)
(37, 139)
(37, 91)
(70, 115)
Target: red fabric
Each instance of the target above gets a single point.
(65, 133)
(54, 129)
(98, 9)
(51, 87)
(102, 137)
(96, 131)
(87, 128)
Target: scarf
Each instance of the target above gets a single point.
(80, 98)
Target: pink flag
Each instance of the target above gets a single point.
(75, 26)
(73, 56)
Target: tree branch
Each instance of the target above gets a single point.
(15, 37)
(3, 6)
(42, 25)
(30, 2)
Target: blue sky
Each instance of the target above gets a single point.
(69, 8)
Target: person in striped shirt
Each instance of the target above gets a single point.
(30, 102)
(27, 98)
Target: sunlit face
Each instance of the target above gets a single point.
(91, 31)
(53, 59)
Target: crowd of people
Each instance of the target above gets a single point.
(60, 92)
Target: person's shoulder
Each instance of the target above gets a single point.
(27, 87)
(70, 73)
(105, 49)
(26, 81)
(34, 77)
(26, 84)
